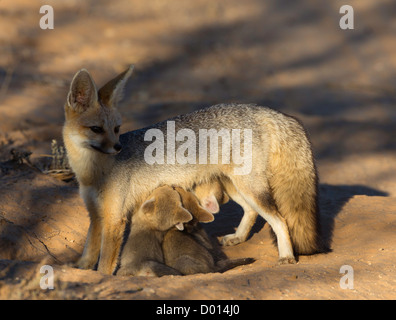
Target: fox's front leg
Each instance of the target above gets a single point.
(112, 233)
(91, 251)
(112, 236)
(92, 246)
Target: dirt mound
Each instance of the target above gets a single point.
(189, 54)
(43, 222)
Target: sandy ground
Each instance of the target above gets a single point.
(289, 55)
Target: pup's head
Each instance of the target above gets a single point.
(164, 209)
(191, 203)
(211, 195)
(92, 119)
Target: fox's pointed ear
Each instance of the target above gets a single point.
(112, 92)
(82, 91)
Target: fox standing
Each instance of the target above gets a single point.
(114, 177)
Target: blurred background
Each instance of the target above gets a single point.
(288, 55)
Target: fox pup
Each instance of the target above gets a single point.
(211, 195)
(191, 251)
(142, 253)
(114, 175)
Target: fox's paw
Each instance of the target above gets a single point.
(230, 240)
(290, 260)
(84, 264)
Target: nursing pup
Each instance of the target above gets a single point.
(191, 250)
(142, 254)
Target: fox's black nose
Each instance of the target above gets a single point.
(117, 147)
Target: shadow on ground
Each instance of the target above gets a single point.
(332, 199)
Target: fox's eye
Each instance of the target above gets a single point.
(117, 129)
(96, 129)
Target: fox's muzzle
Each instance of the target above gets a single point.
(116, 149)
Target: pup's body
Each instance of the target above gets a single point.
(142, 254)
(282, 183)
(191, 251)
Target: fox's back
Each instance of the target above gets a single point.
(132, 166)
(222, 116)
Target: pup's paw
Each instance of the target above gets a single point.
(290, 260)
(230, 240)
(124, 272)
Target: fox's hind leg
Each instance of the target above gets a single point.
(279, 226)
(257, 194)
(243, 230)
(248, 219)
(246, 224)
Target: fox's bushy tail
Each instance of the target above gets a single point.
(294, 184)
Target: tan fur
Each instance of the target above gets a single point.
(211, 195)
(295, 199)
(217, 192)
(191, 251)
(142, 254)
(282, 179)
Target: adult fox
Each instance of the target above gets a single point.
(115, 178)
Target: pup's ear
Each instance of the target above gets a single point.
(148, 206)
(82, 93)
(191, 203)
(202, 215)
(112, 92)
(210, 203)
(182, 216)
